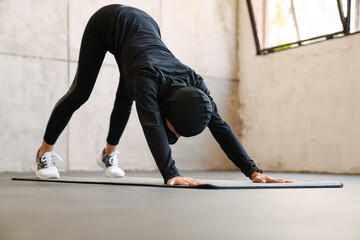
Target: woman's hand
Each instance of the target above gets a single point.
(257, 177)
(186, 181)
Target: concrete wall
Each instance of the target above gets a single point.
(301, 107)
(39, 44)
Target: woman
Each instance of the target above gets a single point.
(171, 99)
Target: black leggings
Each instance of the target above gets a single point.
(92, 53)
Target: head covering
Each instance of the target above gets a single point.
(189, 110)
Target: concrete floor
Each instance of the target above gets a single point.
(39, 210)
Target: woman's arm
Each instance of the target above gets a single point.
(149, 115)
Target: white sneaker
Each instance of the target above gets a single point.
(45, 165)
(110, 162)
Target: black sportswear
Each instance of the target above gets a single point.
(149, 73)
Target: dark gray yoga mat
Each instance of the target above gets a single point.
(209, 184)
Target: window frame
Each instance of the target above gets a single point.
(345, 32)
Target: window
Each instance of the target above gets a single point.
(284, 24)
(351, 8)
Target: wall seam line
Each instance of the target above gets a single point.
(67, 59)
(160, 17)
(68, 79)
(237, 44)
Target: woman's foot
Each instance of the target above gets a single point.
(45, 165)
(110, 162)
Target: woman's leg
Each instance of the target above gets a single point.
(92, 53)
(119, 118)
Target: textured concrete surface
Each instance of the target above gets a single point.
(35, 210)
(202, 34)
(22, 108)
(301, 107)
(34, 28)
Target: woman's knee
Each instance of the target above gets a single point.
(73, 100)
(80, 100)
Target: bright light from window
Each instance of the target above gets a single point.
(289, 22)
(317, 18)
(355, 16)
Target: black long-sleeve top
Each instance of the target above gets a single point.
(149, 71)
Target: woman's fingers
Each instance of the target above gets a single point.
(266, 179)
(188, 181)
(192, 181)
(181, 182)
(273, 180)
(198, 182)
(259, 179)
(185, 181)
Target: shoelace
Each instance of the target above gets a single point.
(114, 158)
(48, 159)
